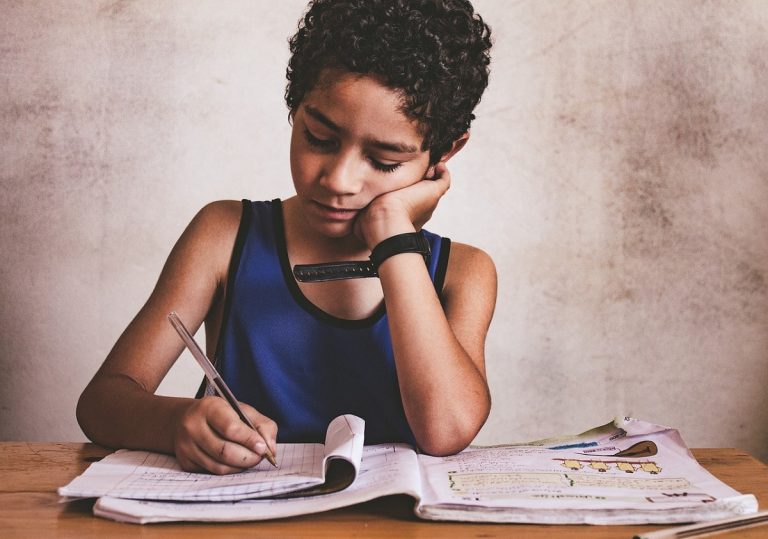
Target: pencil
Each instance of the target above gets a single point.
(708, 528)
(213, 376)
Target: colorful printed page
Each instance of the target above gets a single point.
(627, 472)
(153, 476)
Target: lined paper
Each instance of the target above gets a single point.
(154, 476)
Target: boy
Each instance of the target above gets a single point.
(381, 94)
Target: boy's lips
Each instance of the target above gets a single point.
(335, 213)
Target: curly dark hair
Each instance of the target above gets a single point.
(435, 52)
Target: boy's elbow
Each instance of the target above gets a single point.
(90, 413)
(84, 415)
(443, 438)
(442, 449)
(441, 442)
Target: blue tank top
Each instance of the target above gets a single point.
(294, 362)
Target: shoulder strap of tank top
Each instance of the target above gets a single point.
(234, 262)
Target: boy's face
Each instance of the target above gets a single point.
(351, 143)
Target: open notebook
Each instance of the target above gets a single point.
(625, 472)
(302, 469)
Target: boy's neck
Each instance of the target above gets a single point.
(306, 245)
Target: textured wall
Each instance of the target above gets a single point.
(615, 174)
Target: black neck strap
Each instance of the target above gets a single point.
(411, 242)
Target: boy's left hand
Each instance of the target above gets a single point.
(403, 210)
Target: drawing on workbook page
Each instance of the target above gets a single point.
(629, 463)
(632, 472)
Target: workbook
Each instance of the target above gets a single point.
(625, 472)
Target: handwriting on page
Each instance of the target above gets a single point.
(158, 476)
(384, 464)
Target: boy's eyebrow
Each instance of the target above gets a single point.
(397, 147)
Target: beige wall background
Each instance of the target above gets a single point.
(616, 174)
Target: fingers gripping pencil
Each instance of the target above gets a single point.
(213, 376)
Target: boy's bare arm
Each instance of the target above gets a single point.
(439, 350)
(119, 409)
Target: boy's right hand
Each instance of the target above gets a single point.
(403, 210)
(210, 437)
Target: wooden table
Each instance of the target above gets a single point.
(30, 473)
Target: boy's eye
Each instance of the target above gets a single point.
(320, 143)
(327, 144)
(384, 167)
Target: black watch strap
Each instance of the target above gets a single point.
(411, 242)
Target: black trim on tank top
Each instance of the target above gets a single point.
(293, 286)
(442, 266)
(285, 265)
(234, 264)
(246, 217)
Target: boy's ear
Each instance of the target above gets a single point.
(457, 145)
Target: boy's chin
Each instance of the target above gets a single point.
(332, 230)
(329, 228)
(337, 231)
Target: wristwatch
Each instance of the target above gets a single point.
(410, 242)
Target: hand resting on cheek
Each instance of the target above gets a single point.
(403, 210)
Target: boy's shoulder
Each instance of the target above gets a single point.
(468, 256)
(203, 251)
(470, 283)
(467, 263)
(222, 210)
(215, 226)
(219, 217)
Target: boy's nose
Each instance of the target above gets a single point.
(342, 175)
